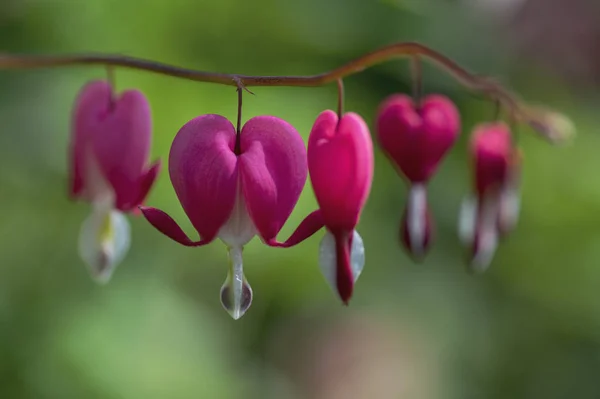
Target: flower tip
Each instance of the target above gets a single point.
(104, 241)
(236, 294)
(417, 229)
(342, 262)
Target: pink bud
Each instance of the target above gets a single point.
(340, 162)
(492, 210)
(491, 151)
(234, 196)
(110, 145)
(416, 138)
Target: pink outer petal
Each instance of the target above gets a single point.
(309, 226)
(416, 139)
(86, 108)
(143, 188)
(273, 172)
(492, 153)
(203, 170)
(340, 162)
(169, 227)
(119, 135)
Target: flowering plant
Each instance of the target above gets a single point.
(238, 181)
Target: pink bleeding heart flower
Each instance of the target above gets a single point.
(415, 138)
(340, 163)
(234, 196)
(493, 207)
(109, 148)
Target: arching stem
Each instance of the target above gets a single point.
(552, 126)
(417, 79)
(238, 140)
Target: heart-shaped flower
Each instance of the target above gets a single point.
(415, 138)
(340, 163)
(109, 148)
(234, 196)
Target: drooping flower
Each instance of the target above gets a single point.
(109, 148)
(340, 163)
(492, 210)
(415, 138)
(234, 195)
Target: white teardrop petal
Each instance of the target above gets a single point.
(487, 236)
(510, 207)
(236, 293)
(104, 240)
(328, 258)
(467, 218)
(416, 209)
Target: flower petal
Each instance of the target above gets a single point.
(309, 226)
(119, 131)
(486, 235)
(239, 228)
(492, 153)
(145, 184)
(87, 180)
(104, 240)
(416, 138)
(341, 259)
(273, 172)
(467, 220)
(203, 171)
(340, 162)
(417, 223)
(236, 293)
(169, 227)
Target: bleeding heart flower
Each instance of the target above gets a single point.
(493, 208)
(340, 163)
(234, 196)
(109, 149)
(415, 138)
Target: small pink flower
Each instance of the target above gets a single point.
(493, 208)
(234, 196)
(109, 150)
(416, 138)
(340, 163)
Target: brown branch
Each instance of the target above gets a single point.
(541, 120)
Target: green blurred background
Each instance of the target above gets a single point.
(528, 328)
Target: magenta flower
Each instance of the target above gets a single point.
(493, 208)
(109, 149)
(234, 195)
(415, 139)
(340, 162)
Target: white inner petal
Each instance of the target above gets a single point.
(104, 240)
(510, 207)
(239, 229)
(416, 217)
(96, 186)
(328, 258)
(236, 293)
(467, 218)
(487, 239)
